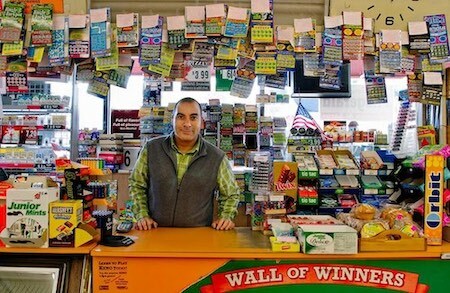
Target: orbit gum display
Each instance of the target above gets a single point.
(434, 189)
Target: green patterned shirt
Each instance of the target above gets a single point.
(228, 189)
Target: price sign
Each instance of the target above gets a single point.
(51, 107)
(130, 156)
(228, 74)
(28, 135)
(198, 74)
(44, 166)
(326, 171)
(370, 172)
(224, 79)
(197, 71)
(54, 127)
(353, 172)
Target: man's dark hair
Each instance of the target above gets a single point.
(188, 100)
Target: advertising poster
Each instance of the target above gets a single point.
(125, 121)
(331, 276)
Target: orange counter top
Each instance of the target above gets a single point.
(241, 243)
(161, 254)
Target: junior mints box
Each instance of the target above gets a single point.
(328, 239)
(27, 211)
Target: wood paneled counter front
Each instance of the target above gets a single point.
(171, 259)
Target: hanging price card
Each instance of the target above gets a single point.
(224, 79)
(197, 71)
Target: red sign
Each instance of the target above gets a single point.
(345, 274)
(125, 121)
(28, 135)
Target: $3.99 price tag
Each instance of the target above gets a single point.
(198, 74)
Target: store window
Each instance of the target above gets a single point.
(376, 116)
(368, 116)
(129, 98)
(90, 107)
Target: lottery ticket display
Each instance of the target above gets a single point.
(16, 76)
(376, 89)
(222, 37)
(41, 25)
(12, 21)
(438, 38)
(127, 30)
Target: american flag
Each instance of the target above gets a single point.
(302, 121)
(302, 111)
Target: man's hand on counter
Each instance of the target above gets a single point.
(146, 223)
(223, 224)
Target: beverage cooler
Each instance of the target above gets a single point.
(29, 279)
(44, 274)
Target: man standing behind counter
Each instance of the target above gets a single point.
(175, 177)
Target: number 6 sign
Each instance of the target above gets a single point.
(130, 155)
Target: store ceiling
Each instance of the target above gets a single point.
(285, 11)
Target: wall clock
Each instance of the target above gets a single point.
(391, 14)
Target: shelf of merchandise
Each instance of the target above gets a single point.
(48, 131)
(356, 147)
(39, 163)
(43, 109)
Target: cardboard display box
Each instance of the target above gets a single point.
(307, 167)
(370, 161)
(65, 229)
(282, 246)
(327, 162)
(27, 211)
(346, 163)
(328, 239)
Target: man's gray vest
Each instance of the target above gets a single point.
(191, 203)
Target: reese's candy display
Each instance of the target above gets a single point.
(64, 217)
